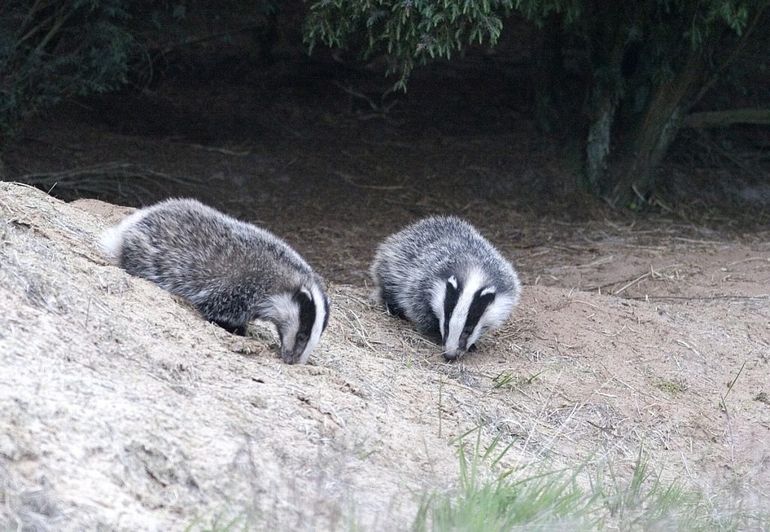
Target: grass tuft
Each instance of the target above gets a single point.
(580, 498)
(219, 523)
(511, 380)
(672, 387)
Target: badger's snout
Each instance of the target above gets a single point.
(460, 350)
(292, 354)
(453, 353)
(289, 357)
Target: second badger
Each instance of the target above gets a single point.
(441, 274)
(231, 271)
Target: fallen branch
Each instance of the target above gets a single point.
(728, 118)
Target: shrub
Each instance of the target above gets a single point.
(56, 49)
(648, 62)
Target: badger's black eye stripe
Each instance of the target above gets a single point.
(450, 302)
(306, 314)
(478, 307)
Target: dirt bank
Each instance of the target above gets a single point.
(120, 408)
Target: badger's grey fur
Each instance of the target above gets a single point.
(441, 274)
(231, 271)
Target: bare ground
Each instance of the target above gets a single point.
(121, 409)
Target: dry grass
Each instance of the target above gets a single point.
(131, 413)
(97, 180)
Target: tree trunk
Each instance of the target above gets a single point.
(607, 49)
(635, 170)
(548, 75)
(599, 138)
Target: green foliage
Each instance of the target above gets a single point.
(414, 31)
(56, 49)
(410, 31)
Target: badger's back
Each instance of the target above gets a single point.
(408, 264)
(204, 255)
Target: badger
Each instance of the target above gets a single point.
(232, 272)
(443, 276)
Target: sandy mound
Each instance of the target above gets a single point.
(121, 409)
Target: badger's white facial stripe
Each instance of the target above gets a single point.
(473, 283)
(283, 311)
(316, 295)
(438, 296)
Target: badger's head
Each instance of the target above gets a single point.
(301, 317)
(467, 304)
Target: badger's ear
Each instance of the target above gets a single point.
(303, 300)
(488, 290)
(303, 294)
(485, 297)
(451, 284)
